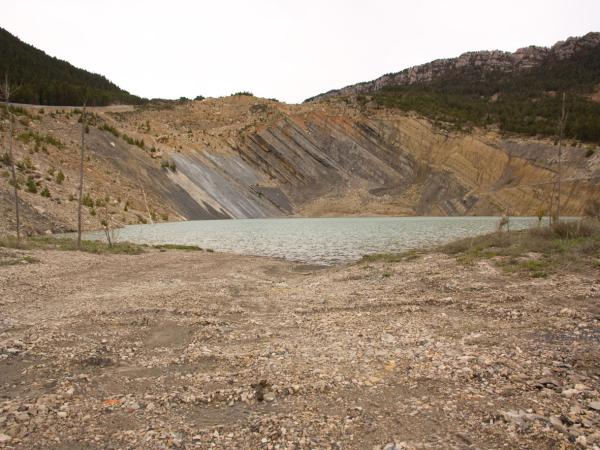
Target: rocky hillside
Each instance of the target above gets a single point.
(395, 146)
(487, 62)
(512, 92)
(243, 157)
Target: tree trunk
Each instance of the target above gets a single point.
(563, 119)
(11, 156)
(80, 202)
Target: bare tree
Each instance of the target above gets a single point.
(7, 91)
(80, 201)
(561, 131)
(107, 224)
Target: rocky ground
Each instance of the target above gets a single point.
(204, 350)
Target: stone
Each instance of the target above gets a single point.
(21, 417)
(570, 392)
(595, 406)
(62, 414)
(557, 424)
(269, 397)
(4, 438)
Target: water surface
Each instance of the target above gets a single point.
(317, 241)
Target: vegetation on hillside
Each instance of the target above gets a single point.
(526, 102)
(536, 252)
(45, 80)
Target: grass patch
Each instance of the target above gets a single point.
(390, 257)
(14, 259)
(97, 247)
(39, 139)
(537, 251)
(67, 244)
(186, 248)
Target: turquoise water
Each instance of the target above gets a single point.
(316, 241)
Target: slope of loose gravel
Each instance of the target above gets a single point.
(202, 350)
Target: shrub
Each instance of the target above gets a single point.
(31, 185)
(243, 93)
(112, 130)
(45, 192)
(31, 136)
(60, 177)
(88, 200)
(5, 160)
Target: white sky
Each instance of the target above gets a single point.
(285, 49)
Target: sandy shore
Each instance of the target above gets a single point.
(205, 350)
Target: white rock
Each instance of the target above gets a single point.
(570, 392)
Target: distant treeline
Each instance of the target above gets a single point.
(44, 80)
(526, 102)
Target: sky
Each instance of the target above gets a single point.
(284, 49)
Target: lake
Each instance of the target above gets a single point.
(315, 241)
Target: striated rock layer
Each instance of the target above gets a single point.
(243, 157)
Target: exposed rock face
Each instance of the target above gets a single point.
(251, 158)
(488, 61)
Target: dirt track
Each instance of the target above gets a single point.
(202, 350)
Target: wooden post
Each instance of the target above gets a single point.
(11, 156)
(80, 202)
(563, 119)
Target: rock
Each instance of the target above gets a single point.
(388, 338)
(62, 414)
(557, 424)
(581, 440)
(21, 417)
(549, 383)
(269, 397)
(570, 392)
(595, 406)
(4, 438)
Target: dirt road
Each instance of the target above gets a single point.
(204, 350)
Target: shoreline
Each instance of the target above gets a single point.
(190, 349)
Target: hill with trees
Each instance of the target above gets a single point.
(515, 92)
(45, 80)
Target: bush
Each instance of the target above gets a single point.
(112, 130)
(31, 136)
(60, 177)
(88, 200)
(5, 160)
(31, 185)
(565, 244)
(45, 192)
(243, 93)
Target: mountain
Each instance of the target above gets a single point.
(344, 154)
(45, 80)
(515, 92)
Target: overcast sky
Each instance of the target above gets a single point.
(285, 49)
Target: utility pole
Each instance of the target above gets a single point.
(7, 91)
(563, 119)
(80, 202)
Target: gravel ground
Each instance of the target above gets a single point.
(204, 350)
